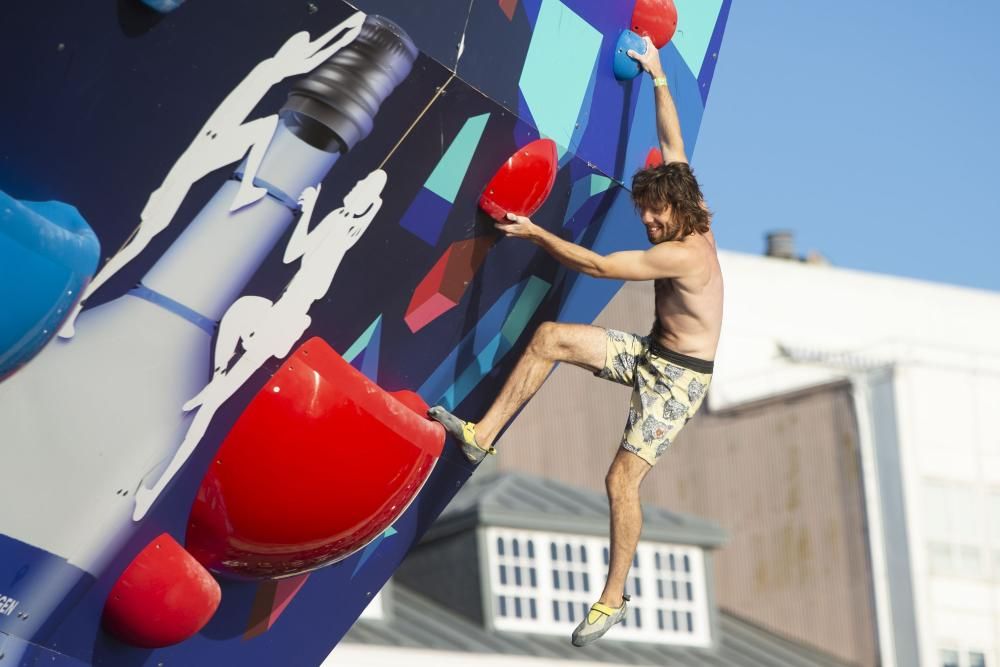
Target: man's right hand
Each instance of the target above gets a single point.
(518, 226)
(650, 60)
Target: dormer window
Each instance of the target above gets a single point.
(542, 582)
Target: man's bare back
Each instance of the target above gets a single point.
(689, 307)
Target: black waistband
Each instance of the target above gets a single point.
(693, 363)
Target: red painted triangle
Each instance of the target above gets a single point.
(271, 600)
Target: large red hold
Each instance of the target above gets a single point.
(523, 181)
(319, 464)
(162, 598)
(656, 19)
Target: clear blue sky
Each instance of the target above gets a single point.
(870, 129)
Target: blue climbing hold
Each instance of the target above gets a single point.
(48, 253)
(163, 6)
(627, 68)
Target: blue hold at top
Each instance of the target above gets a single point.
(48, 254)
(163, 6)
(627, 68)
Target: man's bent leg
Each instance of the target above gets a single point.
(624, 477)
(579, 344)
(583, 345)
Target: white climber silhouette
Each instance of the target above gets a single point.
(225, 138)
(268, 330)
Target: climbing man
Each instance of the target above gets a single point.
(669, 370)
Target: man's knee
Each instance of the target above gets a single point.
(622, 482)
(547, 340)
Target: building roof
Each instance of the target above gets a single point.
(790, 325)
(414, 622)
(527, 502)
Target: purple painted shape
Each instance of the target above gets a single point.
(531, 9)
(586, 215)
(426, 216)
(358, 361)
(712, 56)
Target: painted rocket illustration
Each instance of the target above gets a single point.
(98, 418)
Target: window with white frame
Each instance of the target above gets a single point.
(993, 515)
(571, 583)
(545, 583)
(949, 658)
(515, 577)
(954, 657)
(675, 589)
(954, 534)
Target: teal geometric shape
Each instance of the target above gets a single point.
(449, 173)
(472, 344)
(582, 120)
(362, 342)
(557, 70)
(584, 189)
(473, 373)
(599, 184)
(489, 353)
(526, 305)
(695, 24)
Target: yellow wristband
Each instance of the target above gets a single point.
(659, 81)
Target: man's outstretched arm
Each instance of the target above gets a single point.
(664, 260)
(668, 124)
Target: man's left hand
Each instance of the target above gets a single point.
(649, 60)
(518, 226)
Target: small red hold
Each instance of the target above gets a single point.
(319, 464)
(162, 598)
(654, 157)
(523, 182)
(656, 19)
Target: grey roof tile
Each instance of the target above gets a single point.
(416, 622)
(528, 502)
(517, 500)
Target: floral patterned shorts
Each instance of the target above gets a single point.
(668, 388)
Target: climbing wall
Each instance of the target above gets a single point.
(425, 302)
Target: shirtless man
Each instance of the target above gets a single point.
(669, 369)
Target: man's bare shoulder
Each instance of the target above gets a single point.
(694, 249)
(700, 257)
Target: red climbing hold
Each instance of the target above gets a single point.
(523, 182)
(654, 157)
(319, 464)
(162, 598)
(656, 19)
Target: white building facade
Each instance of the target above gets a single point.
(924, 363)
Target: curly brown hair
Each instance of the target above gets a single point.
(672, 185)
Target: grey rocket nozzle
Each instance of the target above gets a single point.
(334, 107)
